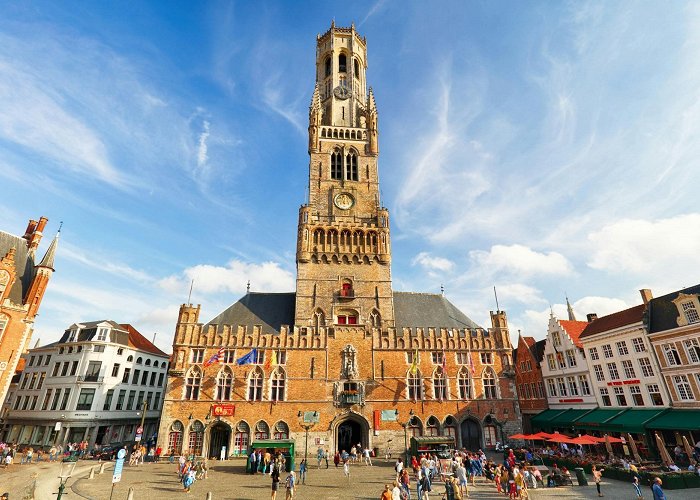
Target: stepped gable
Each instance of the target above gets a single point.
(270, 310)
(423, 310)
(574, 329)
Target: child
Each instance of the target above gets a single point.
(290, 483)
(346, 468)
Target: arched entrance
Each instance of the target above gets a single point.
(219, 437)
(470, 431)
(351, 431)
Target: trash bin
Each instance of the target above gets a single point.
(581, 476)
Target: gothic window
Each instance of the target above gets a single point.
(281, 431)
(277, 385)
(490, 384)
(351, 166)
(255, 385)
(192, 383)
(223, 385)
(356, 68)
(450, 427)
(432, 427)
(4, 319)
(328, 66)
(415, 427)
(465, 386)
(375, 319)
(319, 320)
(415, 386)
(439, 384)
(336, 164)
(262, 431)
(240, 439)
(342, 63)
(175, 437)
(196, 438)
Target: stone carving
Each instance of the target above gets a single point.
(349, 362)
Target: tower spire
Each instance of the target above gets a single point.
(570, 310)
(50, 254)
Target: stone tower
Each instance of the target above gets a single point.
(343, 247)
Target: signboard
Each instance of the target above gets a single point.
(389, 415)
(118, 467)
(57, 427)
(223, 410)
(312, 417)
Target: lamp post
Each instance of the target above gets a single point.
(66, 472)
(306, 426)
(405, 434)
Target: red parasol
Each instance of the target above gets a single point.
(518, 436)
(542, 436)
(561, 438)
(584, 440)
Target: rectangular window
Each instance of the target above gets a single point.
(692, 348)
(655, 394)
(529, 365)
(462, 358)
(605, 396)
(486, 358)
(622, 348)
(99, 348)
(230, 356)
(690, 312)
(525, 391)
(638, 344)
(573, 388)
(17, 403)
(683, 389)
(599, 375)
(32, 382)
(64, 371)
(139, 401)
(628, 368)
(74, 368)
(34, 401)
(560, 360)
(102, 334)
(93, 371)
(120, 400)
(41, 380)
(160, 379)
(47, 398)
(620, 396)
(152, 382)
(26, 402)
(149, 400)
(144, 378)
(125, 377)
(85, 399)
(197, 355)
(436, 357)
(108, 400)
(636, 393)
(583, 383)
(571, 357)
(64, 401)
(47, 360)
(115, 370)
(540, 386)
(56, 399)
(645, 365)
(551, 387)
(135, 378)
(556, 339)
(550, 362)
(259, 357)
(562, 386)
(607, 351)
(612, 370)
(54, 373)
(25, 379)
(671, 353)
(593, 352)
(31, 360)
(130, 401)
(533, 390)
(156, 401)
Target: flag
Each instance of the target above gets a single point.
(414, 365)
(444, 363)
(248, 359)
(471, 363)
(216, 358)
(271, 361)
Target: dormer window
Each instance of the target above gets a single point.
(72, 335)
(688, 307)
(690, 312)
(102, 333)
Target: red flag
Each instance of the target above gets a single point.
(216, 358)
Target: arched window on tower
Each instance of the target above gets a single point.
(336, 164)
(432, 427)
(490, 384)
(356, 67)
(414, 382)
(255, 385)
(375, 319)
(439, 384)
(277, 385)
(351, 166)
(342, 63)
(319, 320)
(328, 66)
(223, 385)
(192, 383)
(464, 383)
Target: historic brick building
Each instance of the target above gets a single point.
(22, 286)
(527, 359)
(339, 355)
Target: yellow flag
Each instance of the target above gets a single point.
(273, 358)
(414, 365)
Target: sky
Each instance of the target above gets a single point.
(549, 149)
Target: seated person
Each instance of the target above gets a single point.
(673, 467)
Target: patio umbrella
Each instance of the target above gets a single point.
(612, 439)
(633, 448)
(584, 440)
(665, 457)
(542, 436)
(561, 438)
(688, 450)
(518, 436)
(608, 446)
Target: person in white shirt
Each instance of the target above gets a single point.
(396, 492)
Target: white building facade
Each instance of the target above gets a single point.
(564, 367)
(93, 384)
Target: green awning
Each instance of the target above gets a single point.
(567, 418)
(542, 418)
(597, 419)
(633, 420)
(676, 420)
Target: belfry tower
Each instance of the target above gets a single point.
(343, 247)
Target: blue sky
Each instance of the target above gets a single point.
(547, 148)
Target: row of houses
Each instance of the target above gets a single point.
(634, 371)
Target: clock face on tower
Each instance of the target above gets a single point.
(344, 201)
(341, 92)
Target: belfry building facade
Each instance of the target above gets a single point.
(344, 357)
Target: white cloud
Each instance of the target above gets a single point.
(209, 279)
(100, 261)
(517, 292)
(520, 260)
(427, 261)
(202, 145)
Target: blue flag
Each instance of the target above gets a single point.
(248, 359)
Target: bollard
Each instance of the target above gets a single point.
(130, 496)
(102, 467)
(208, 495)
(92, 473)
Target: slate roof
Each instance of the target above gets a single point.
(272, 310)
(663, 314)
(615, 320)
(574, 329)
(428, 310)
(24, 264)
(538, 350)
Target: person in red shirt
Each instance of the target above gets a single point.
(159, 451)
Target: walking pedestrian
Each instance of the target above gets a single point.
(319, 456)
(396, 491)
(386, 494)
(346, 468)
(597, 475)
(637, 489)
(275, 475)
(302, 471)
(325, 456)
(290, 484)
(656, 488)
(336, 458)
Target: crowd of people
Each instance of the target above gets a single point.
(12, 453)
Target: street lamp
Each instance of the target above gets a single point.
(67, 467)
(306, 426)
(405, 434)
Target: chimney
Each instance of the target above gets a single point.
(591, 317)
(31, 227)
(646, 295)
